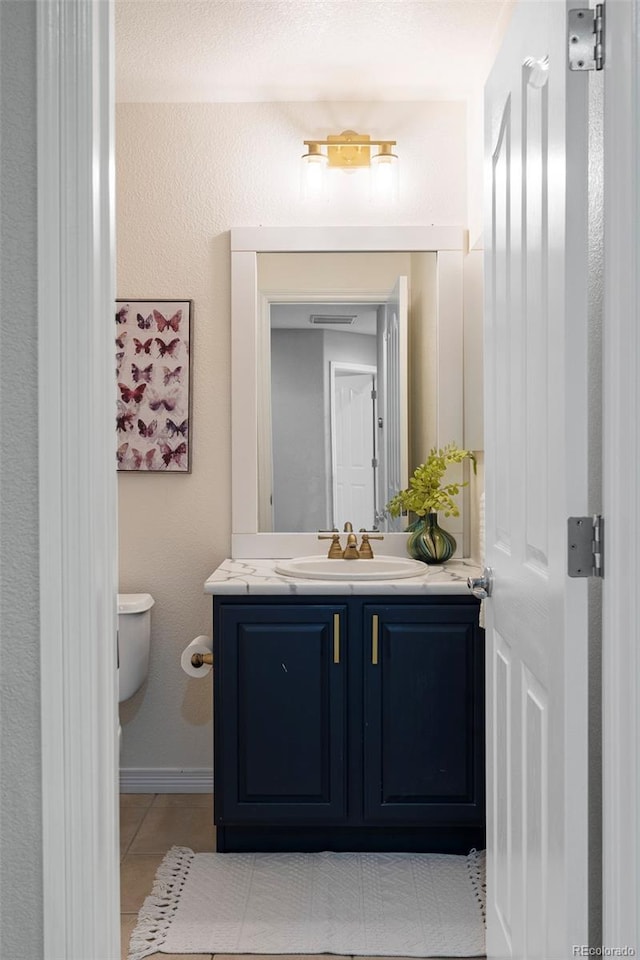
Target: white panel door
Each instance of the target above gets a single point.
(536, 468)
(353, 446)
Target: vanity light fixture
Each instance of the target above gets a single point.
(350, 151)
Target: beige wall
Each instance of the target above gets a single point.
(186, 173)
(476, 490)
(473, 281)
(475, 167)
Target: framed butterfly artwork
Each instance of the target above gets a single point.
(153, 341)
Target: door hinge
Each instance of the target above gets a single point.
(374, 394)
(586, 546)
(586, 38)
(374, 462)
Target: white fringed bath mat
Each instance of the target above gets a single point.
(362, 904)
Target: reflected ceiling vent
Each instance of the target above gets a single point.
(333, 319)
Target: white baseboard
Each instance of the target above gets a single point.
(165, 780)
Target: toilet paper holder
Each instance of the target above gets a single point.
(200, 659)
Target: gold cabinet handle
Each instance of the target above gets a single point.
(374, 639)
(336, 638)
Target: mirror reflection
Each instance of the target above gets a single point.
(342, 415)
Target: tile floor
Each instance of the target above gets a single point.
(151, 823)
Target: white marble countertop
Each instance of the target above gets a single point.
(257, 577)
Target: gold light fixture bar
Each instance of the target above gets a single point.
(349, 149)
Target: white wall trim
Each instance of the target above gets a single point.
(166, 780)
(621, 429)
(77, 480)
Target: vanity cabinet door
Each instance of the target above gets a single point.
(280, 713)
(424, 714)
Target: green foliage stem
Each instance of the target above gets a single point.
(425, 493)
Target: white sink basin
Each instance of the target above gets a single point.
(376, 568)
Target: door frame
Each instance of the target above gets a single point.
(77, 479)
(75, 62)
(621, 474)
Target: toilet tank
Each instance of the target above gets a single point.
(134, 641)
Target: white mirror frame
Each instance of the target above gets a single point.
(448, 243)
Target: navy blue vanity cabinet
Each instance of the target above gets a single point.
(423, 714)
(280, 717)
(348, 723)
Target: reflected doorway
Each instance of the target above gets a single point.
(308, 342)
(325, 459)
(354, 465)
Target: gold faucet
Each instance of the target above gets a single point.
(351, 549)
(336, 552)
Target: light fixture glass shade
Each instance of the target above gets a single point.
(385, 182)
(313, 177)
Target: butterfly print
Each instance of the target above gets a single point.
(147, 457)
(173, 323)
(168, 402)
(170, 375)
(143, 347)
(176, 428)
(168, 454)
(147, 429)
(138, 374)
(124, 421)
(129, 394)
(153, 427)
(167, 347)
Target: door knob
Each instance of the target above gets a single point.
(482, 587)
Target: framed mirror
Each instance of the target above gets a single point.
(370, 314)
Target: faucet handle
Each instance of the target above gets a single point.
(366, 551)
(335, 550)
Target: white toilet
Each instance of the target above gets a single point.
(134, 638)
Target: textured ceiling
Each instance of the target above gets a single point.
(261, 50)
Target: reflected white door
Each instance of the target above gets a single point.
(393, 429)
(536, 468)
(353, 451)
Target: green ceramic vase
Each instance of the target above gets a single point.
(429, 542)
